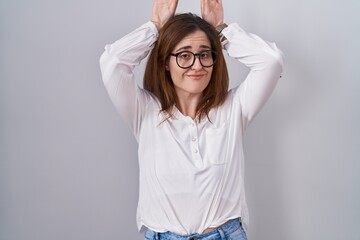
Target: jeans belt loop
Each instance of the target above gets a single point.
(222, 234)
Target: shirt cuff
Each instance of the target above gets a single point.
(153, 28)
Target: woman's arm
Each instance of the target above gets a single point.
(265, 61)
(119, 59)
(117, 66)
(263, 58)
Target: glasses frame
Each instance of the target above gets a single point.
(214, 55)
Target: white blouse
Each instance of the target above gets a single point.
(191, 174)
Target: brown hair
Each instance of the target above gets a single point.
(157, 79)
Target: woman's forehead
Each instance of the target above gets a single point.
(195, 40)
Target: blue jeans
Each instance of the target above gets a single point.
(231, 230)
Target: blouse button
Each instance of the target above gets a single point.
(196, 151)
(193, 139)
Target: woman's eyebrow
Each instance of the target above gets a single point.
(190, 47)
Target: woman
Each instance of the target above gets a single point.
(188, 125)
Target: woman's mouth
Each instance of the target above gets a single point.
(195, 76)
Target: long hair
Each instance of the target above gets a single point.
(157, 79)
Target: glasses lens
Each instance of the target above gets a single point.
(185, 59)
(207, 59)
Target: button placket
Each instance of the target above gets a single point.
(194, 141)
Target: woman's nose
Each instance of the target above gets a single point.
(197, 63)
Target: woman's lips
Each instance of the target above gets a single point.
(196, 76)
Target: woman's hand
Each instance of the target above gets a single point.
(162, 11)
(212, 11)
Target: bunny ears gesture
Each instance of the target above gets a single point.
(211, 11)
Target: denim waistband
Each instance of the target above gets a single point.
(217, 233)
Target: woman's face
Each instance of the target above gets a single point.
(191, 81)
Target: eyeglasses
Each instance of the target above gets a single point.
(186, 59)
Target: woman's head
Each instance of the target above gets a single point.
(183, 60)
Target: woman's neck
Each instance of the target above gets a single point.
(187, 105)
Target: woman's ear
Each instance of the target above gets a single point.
(167, 65)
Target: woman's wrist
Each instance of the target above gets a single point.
(157, 24)
(221, 27)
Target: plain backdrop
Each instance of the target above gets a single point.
(68, 163)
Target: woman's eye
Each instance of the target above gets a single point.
(184, 55)
(204, 54)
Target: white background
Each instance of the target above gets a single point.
(68, 164)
